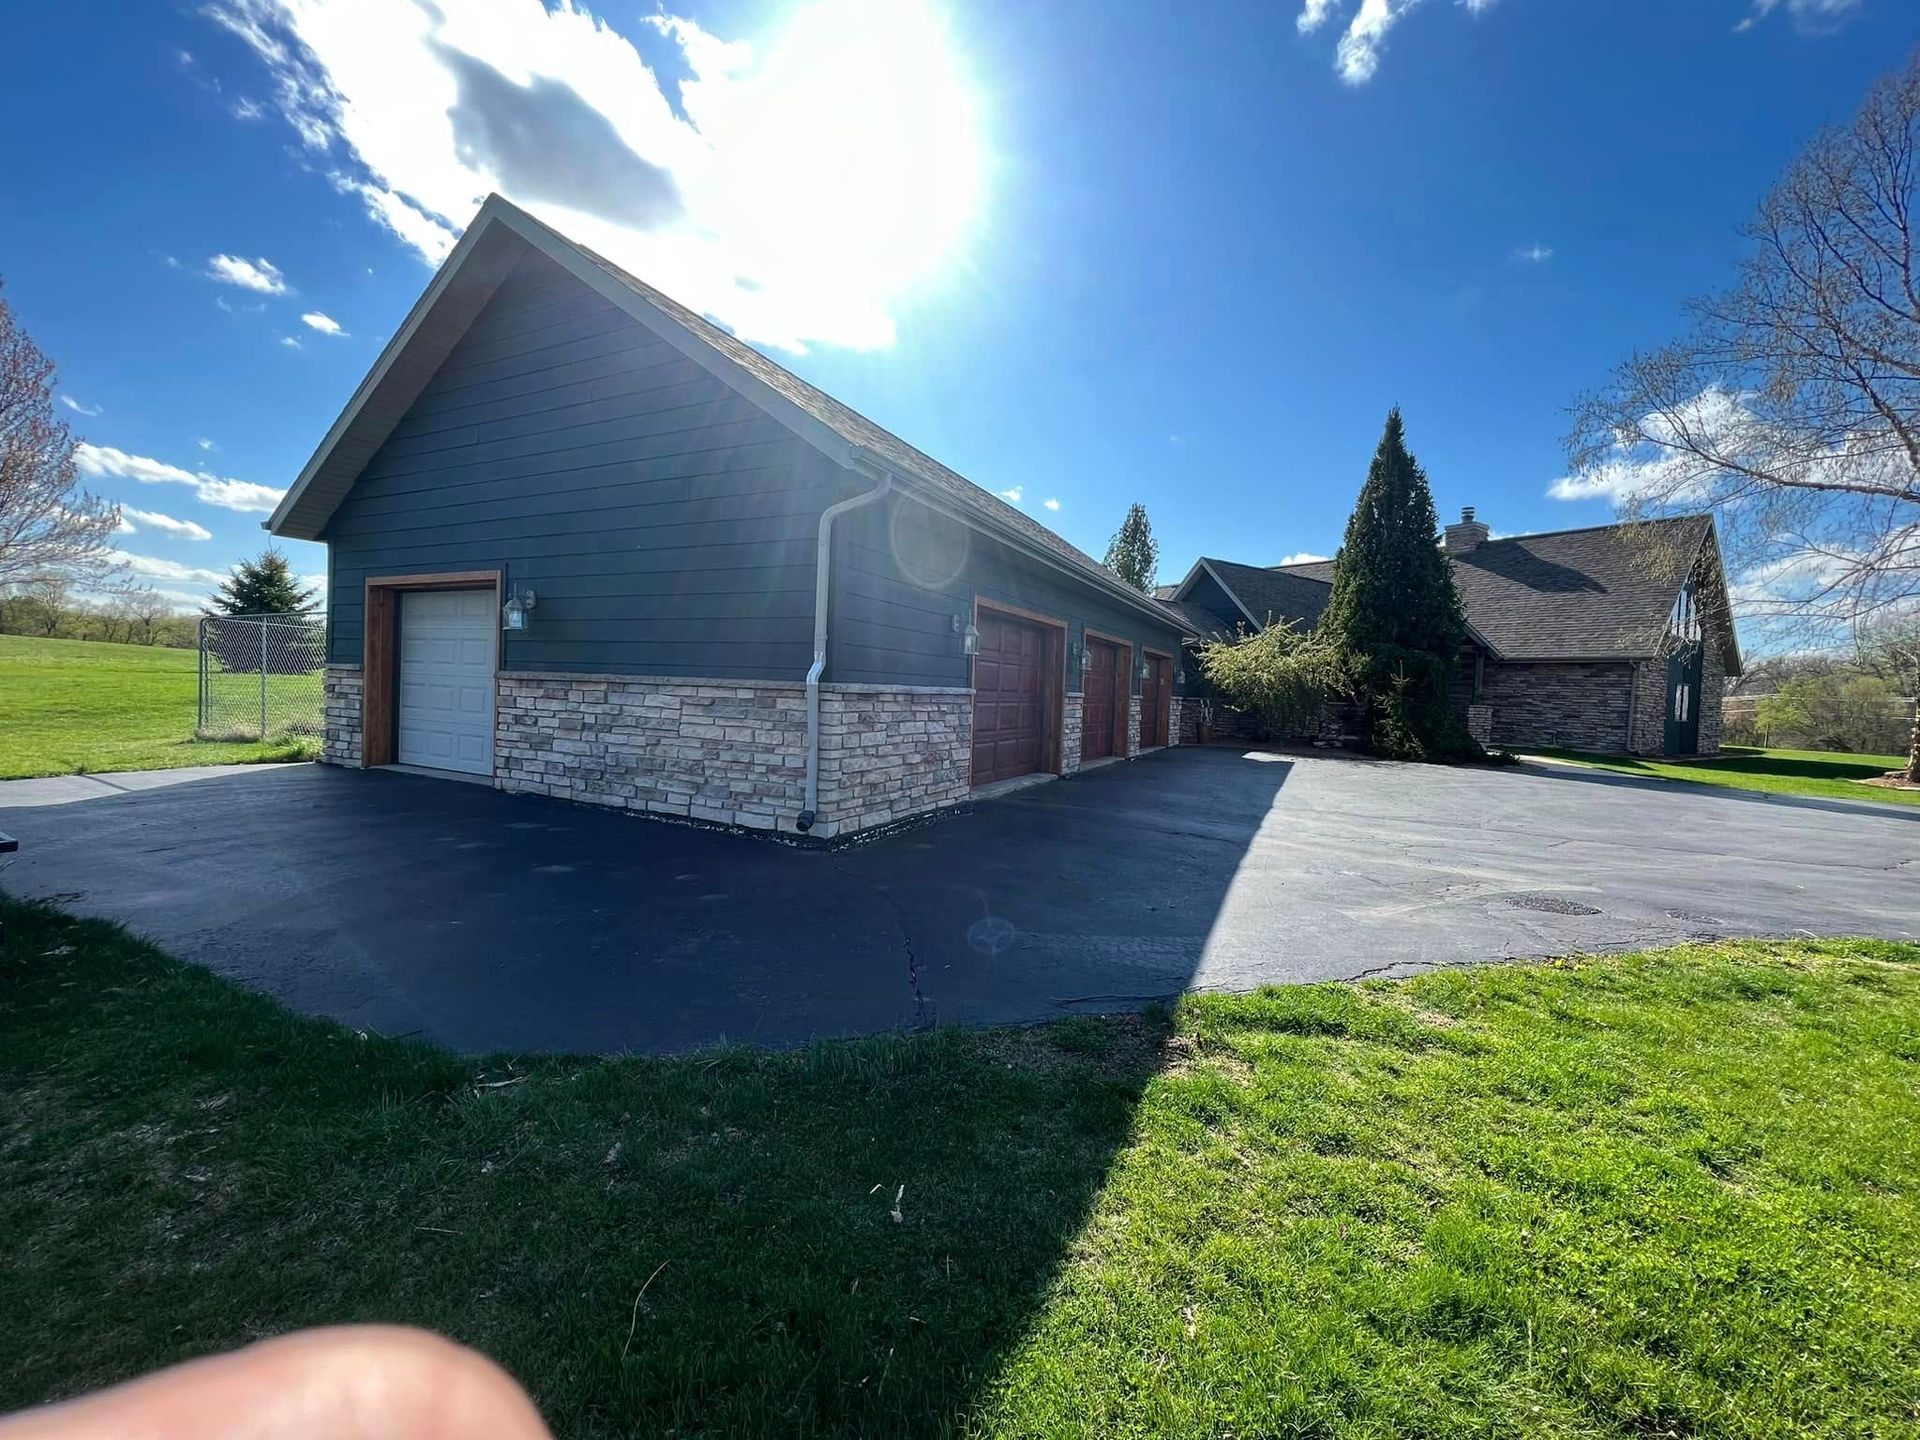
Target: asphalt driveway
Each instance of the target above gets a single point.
(495, 922)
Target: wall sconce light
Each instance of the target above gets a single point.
(1180, 677)
(1073, 650)
(1145, 670)
(513, 614)
(970, 640)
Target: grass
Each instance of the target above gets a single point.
(1673, 1193)
(75, 706)
(1778, 772)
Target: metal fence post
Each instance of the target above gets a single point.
(200, 712)
(263, 681)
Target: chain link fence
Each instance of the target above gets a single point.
(262, 677)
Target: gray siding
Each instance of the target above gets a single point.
(902, 574)
(1206, 592)
(666, 524)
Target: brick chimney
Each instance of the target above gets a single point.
(1467, 536)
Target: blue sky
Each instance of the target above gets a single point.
(1088, 253)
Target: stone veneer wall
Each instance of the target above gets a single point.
(1072, 721)
(1577, 706)
(1649, 708)
(1175, 734)
(1133, 726)
(341, 715)
(1713, 688)
(888, 752)
(732, 752)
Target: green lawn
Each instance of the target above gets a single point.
(1780, 772)
(1674, 1193)
(68, 706)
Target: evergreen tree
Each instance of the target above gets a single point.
(1133, 554)
(1395, 613)
(265, 586)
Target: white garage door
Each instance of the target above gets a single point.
(446, 679)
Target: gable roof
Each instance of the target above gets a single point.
(1602, 592)
(1270, 593)
(499, 235)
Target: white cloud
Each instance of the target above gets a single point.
(154, 568)
(1357, 55)
(78, 407)
(1051, 504)
(1012, 496)
(1304, 557)
(1314, 14)
(132, 520)
(245, 109)
(767, 192)
(206, 444)
(241, 495)
(1810, 17)
(1534, 254)
(290, 342)
(259, 274)
(324, 323)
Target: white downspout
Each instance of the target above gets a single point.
(821, 576)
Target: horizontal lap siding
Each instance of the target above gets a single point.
(665, 524)
(899, 586)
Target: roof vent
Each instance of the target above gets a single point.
(1467, 536)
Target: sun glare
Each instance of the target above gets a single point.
(858, 163)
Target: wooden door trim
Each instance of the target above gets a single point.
(1163, 711)
(380, 653)
(1053, 680)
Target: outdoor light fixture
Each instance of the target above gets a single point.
(1180, 677)
(1145, 670)
(1073, 651)
(513, 614)
(970, 640)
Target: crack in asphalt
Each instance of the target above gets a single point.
(923, 1008)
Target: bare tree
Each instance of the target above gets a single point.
(1890, 649)
(1791, 408)
(49, 528)
(48, 596)
(148, 608)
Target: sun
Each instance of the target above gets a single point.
(858, 164)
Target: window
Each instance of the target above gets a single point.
(1683, 623)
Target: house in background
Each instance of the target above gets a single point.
(1614, 638)
(585, 543)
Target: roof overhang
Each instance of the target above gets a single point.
(1201, 567)
(496, 240)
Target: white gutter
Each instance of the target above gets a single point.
(822, 575)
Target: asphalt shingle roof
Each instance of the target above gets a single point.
(1271, 593)
(1601, 593)
(1197, 620)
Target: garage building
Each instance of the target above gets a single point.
(585, 543)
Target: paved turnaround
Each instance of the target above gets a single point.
(486, 921)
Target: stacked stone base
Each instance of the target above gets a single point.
(341, 715)
(733, 753)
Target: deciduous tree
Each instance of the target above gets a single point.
(1791, 406)
(50, 529)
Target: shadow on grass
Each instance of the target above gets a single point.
(1623, 770)
(841, 1238)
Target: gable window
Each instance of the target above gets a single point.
(1683, 623)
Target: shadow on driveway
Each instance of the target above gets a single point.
(409, 905)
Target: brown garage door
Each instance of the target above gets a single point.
(1099, 682)
(1009, 696)
(1156, 701)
